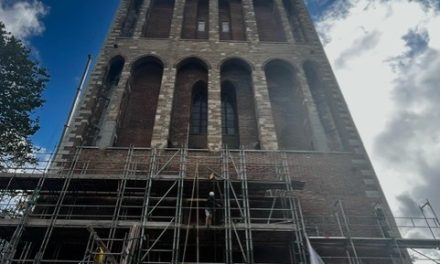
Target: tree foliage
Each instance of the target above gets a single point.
(22, 82)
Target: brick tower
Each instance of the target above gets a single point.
(234, 97)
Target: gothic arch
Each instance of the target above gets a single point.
(139, 103)
(281, 61)
(192, 73)
(237, 87)
(144, 58)
(159, 17)
(241, 61)
(193, 59)
(288, 110)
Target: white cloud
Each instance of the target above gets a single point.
(23, 18)
(386, 56)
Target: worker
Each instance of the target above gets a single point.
(209, 210)
(100, 256)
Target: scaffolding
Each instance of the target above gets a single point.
(140, 205)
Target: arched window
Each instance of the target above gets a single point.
(189, 113)
(231, 21)
(236, 79)
(196, 19)
(229, 117)
(111, 80)
(296, 26)
(159, 19)
(114, 72)
(288, 110)
(139, 104)
(129, 23)
(268, 21)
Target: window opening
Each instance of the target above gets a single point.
(199, 113)
(229, 122)
(201, 26)
(226, 27)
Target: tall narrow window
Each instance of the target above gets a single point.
(195, 19)
(159, 19)
(199, 117)
(199, 110)
(268, 21)
(229, 117)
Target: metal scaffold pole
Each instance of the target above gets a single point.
(228, 234)
(246, 209)
(345, 220)
(120, 196)
(178, 217)
(146, 201)
(295, 212)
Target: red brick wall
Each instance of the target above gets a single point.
(328, 177)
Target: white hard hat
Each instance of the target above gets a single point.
(211, 193)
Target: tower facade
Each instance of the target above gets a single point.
(188, 97)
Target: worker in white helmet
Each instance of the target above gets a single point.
(209, 209)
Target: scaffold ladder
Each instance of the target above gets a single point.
(246, 209)
(178, 216)
(227, 207)
(145, 207)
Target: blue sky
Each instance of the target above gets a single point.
(385, 55)
(72, 30)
